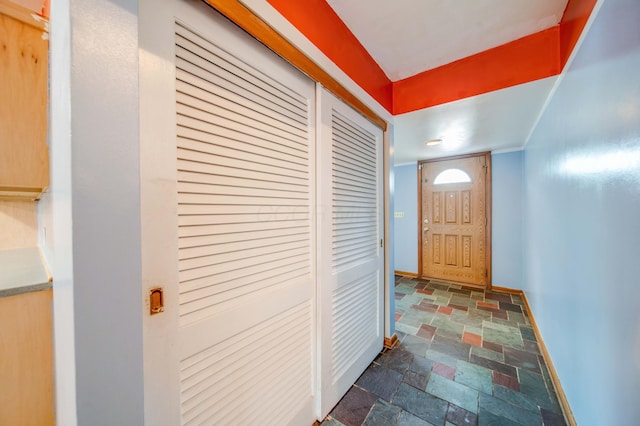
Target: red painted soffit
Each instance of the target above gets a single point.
(575, 17)
(324, 28)
(537, 56)
(521, 61)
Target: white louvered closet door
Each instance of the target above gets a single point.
(350, 266)
(246, 247)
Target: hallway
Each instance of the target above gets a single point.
(466, 357)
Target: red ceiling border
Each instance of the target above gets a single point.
(324, 28)
(537, 56)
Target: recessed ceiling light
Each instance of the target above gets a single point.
(433, 142)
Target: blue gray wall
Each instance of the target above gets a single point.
(406, 228)
(582, 211)
(507, 199)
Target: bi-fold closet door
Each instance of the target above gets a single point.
(263, 227)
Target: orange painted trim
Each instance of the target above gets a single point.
(319, 23)
(521, 61)
(575, 17)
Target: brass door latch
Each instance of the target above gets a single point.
(156, 300)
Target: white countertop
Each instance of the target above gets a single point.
(22, 271)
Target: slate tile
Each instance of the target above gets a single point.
(474, 376)
(415, 345)
(354, 407)
(399, 360)
(449, 334)
(443, 370)
(506, 380)
(476, 313)
(380, 381)
(486, 353)
(450, 347)
(489, 305)
(425, 307)
(445, 324)
(498, 297)
(486, 418)
(507, 306)
(511, 412)
(502, 315)
(514, 398)
(423, 290)
(406, 328)
(492, 346)
(421, 365)
(408, 419)
(521, 359)
(508, 338)
(410, 320)
(438, 286)
(532, 384)
(417, 380)
(460, 291)
(484, 308)
(527, 333)
(494, 365)
(516, 318)
(456, 393)
(426, 331)
(549, 418)
(442, 358)
(531, 346)
(458, 307)
(463, 301)
(382, 413)
(460, 417)
(445, 310)
(420, 404)
(472, 339)
(517, 299)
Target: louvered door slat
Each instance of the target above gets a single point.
(245, 235)
(352, 300)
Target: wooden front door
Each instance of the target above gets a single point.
(455, 195)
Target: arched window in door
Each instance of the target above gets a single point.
(452, 176)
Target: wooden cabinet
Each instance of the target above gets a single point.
(24, 157)
(26, 359)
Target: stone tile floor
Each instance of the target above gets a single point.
(466, 357)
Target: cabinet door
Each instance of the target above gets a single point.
(26, 359)
(24, 163)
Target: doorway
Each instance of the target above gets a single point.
(454, 213)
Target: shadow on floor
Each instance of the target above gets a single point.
(466, 357)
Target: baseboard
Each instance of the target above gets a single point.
(406, 274)
(391, 342)
(562, 398)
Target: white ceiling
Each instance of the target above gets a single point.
(406, 37)
(494, 121)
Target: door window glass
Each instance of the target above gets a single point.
(452, 176)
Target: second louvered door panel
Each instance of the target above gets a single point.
(245, 181)
(350, 266)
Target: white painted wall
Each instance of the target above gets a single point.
(582, 238)
(54, 215)
(92, 214)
